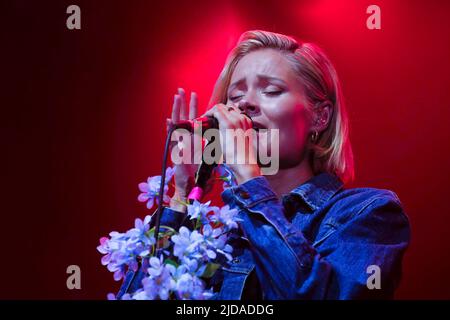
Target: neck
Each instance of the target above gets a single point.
(287, 179)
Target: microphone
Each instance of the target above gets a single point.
(190, 125)
(204, 170)
(206, 122)
(202, 176)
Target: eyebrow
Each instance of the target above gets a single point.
(259, 76)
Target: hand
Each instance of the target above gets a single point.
(229, 117)
(184, 173)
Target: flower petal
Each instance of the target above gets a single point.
(143, 187)
(143, 197)
(150, 203)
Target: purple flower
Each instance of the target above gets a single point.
(192, 253)
(185, 242)
(195, 245)
(111, 296)
(200, 210)
(226, 175)
(160, 282)
(190, 287)
(217, 239)
(138, 295)
(122, 249)
(190, 265)
(139, 242)
(150, 189)
(115, 257)
(226, 216)
(188, 282)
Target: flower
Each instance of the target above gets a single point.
(150, 189)
(140, 294)
(115, 257)
(185, 241)
(227, 217)
(188, 282)
(187, 257)
(226, 175)
(126, 296)
(121, 249)
(200, 210)
(189, 286)
(190, 265)
(217, 239)
(111, 296)
(160, 282)
(203, 247)
(139, 241)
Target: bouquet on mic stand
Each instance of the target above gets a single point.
(188, 257)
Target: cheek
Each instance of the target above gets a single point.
(293, 122)
(290, 143)
(292, 140)
(292, 136)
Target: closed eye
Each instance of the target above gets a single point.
(273, 93)
(234, 98)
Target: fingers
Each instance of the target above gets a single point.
(222, 117)
(183, 104)
(180, 109)
(193, 106)
(229, 117)
(240, 120)
(176, 109)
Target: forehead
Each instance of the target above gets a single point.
(268, 62)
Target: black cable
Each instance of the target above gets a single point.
(161, 189)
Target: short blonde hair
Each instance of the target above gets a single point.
(332, 151)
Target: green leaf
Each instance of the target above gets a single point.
(150, 232)
(198, 224)
(211, 268)
(172, 262)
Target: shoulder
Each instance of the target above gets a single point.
(377, 215)
(368, 201)
(367, 196)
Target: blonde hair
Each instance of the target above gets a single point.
(332, 151)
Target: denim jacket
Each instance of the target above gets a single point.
(320, 241)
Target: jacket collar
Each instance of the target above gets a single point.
(318, 190)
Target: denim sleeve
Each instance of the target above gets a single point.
(289, 267)
(132, 280)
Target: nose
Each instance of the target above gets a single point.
(249, 108)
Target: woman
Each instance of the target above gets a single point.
(302, 235)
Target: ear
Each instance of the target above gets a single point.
(322, 113)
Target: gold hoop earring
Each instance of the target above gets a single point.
(314, 136)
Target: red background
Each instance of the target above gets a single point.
(83, 119)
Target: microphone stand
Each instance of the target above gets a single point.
(201, 178)
(161, 189)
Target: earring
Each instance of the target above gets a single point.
(314, 136)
